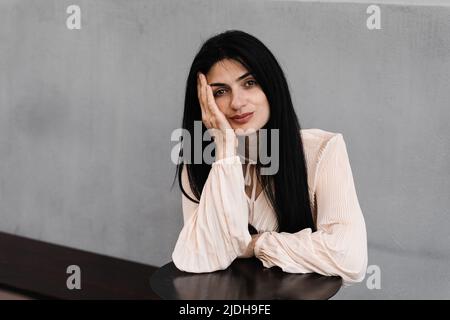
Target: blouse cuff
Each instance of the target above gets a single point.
(259, 243)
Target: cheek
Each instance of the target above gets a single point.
(223, 105)
(264, 114)
(259, 97)
(264, 111)
(263, 104)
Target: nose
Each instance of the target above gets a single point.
(238, 100)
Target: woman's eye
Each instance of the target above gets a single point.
(219, 92)
(250, 83)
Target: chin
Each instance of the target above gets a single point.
(245, 129)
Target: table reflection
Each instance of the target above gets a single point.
(245, 279)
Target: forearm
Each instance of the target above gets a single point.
(226, 143)
(216, 232)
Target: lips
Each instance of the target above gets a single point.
(242, 118)
(241, 115)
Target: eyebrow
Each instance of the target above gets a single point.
(218, 84)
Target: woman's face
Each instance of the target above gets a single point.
(238, 95)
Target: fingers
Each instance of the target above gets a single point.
(201, 95)
(207, 96)
(207, 102)
(202, 100)
(211, 102)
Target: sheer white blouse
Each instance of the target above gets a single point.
(215, 231)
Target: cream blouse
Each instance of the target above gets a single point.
(215, 231)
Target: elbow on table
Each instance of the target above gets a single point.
(353, 276)
(190, 257)
(353, 265)
(353, 270)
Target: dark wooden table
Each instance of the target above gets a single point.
(38, 269)
(245, 279)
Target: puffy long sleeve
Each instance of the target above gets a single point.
(215, 230)
(339, 246)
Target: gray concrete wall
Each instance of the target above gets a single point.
(86, 117)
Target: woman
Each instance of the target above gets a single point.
(305, 217)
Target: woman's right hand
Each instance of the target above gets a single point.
(215, 121)
(212, 117)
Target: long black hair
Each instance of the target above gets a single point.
(287, 190)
